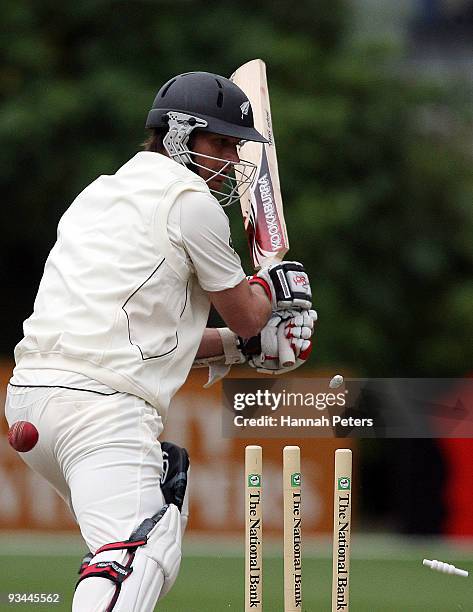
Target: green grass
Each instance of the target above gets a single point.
(214, 583)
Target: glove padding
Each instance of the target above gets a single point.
(284, 342)
(286, 285)
(300, 326)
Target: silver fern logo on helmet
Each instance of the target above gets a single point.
(245, 107)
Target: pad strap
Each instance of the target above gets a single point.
(125, 545)
(114, 571)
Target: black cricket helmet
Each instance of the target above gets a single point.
(215, 99)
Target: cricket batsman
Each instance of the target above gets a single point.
(120, 319)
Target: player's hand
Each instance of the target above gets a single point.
(290, 328)
(286, 285)
(298, 328)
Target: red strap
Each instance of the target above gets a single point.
(112, 570)
(122, 545)
(257, 280)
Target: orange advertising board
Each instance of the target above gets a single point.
(217, 471)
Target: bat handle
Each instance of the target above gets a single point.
(286, 354)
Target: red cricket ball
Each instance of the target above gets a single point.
(23, 436)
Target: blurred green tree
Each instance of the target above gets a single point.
(375, 165)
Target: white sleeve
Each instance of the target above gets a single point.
(205, 233)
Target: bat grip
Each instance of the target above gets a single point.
(286, 354)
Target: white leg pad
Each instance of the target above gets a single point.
(164, 547)
(155, 569)
(95, 594)
(140, 592)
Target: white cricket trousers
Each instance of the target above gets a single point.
(100, 453)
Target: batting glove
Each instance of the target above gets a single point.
(286, 285)
(283, 344)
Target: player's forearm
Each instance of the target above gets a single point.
(219, 347)
(248, 320)
(210, 345)
(244, 308)
(261, 310)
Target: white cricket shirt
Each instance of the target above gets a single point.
(122, 298)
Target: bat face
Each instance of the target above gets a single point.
(261, 203)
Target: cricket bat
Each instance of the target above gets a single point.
(261, 202)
